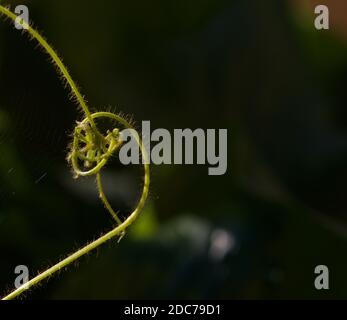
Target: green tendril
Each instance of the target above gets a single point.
(89, 152)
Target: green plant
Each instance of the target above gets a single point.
(89, 153)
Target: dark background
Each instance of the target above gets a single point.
(259, 69)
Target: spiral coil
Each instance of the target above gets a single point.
(89, 152)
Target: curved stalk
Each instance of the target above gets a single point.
(98, 150)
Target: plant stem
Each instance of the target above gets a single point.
(122, 226)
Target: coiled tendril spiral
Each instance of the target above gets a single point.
(90, 152)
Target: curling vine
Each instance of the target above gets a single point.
(90, 151)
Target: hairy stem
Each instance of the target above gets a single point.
(55, 59)
(97, 153)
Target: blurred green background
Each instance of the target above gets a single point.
(259, 69)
